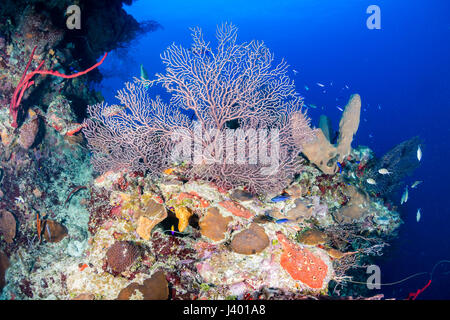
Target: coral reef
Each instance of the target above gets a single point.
(155, 227)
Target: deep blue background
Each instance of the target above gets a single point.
(401, 72)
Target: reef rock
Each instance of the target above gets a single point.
(313, 237)
(241, 195)
(84, 296)
(154, 288)
(250, 241)
(4, 265)
(357, 207)
(299, 212)
(7, 226)
(28, 132)
(214, 225)
(325, 155)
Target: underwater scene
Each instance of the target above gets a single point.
(224, 150)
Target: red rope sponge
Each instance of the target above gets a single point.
(25, 83)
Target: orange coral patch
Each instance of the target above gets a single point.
(236, 209)
(302, 264)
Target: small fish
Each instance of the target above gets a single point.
(295, 72)
(371, 181)
(419, 153)
(280, 198)
(416, 183)
(339, 108)
(418, 215)
(313, 106)
(320, 85)
(340, 166)
(346, 86)
(144, 75)
(384, 171)
(404, 196)
(306, 88)
(281, 221)
(379, 107)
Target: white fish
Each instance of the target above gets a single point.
(379, 107)
(384, 171)
(295, 72)
(419, 153)
(418, 215)
(371, 181)
(404, 196)
(416, 183)
(346, 86)
(339, 108)
(320, 85)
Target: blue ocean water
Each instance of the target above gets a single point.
(401, 71)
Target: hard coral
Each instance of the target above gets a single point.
(154, 288)
(250, 241)
(7, 226)
(121, 255)
(214, 225)
(313, 237)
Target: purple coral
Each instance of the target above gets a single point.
(242, 107)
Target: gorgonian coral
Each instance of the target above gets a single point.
(246, 128)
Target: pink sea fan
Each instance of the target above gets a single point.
(247, 126)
